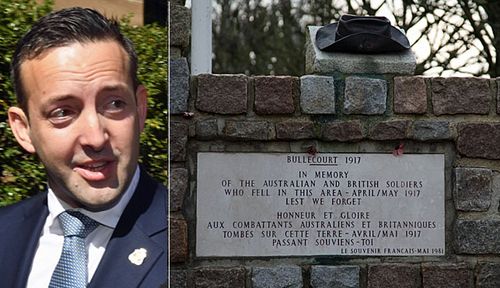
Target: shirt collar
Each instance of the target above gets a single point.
(108, 217)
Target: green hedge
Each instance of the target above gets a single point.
(21, 174)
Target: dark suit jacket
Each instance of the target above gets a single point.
(143, 224)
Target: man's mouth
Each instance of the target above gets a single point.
(95, 166)
(95, 170)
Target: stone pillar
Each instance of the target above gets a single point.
(360, 80)
(347, 103)
(328, 63)
(179, 81)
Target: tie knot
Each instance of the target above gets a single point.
(76, 224)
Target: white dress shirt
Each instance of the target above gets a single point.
(51, 240)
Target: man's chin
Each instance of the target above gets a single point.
(96, 206)
(99, 199)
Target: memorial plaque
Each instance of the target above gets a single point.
(290, 204)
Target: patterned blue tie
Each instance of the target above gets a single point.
(71, 270)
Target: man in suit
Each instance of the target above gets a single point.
(81, 109)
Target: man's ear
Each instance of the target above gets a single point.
(20, 126)
(141, 95)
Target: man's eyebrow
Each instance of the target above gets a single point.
(117, 87)
(60, 98)
(57, 99)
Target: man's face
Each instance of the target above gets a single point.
(84, 121)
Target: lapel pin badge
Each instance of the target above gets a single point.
(138, 256)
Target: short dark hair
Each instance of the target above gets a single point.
(65, 27)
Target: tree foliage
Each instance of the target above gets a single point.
(449, 37)
(253, 38)
(151, 45)
(21, 174)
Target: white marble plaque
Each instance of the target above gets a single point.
(291, 204)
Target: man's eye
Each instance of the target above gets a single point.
(116, 106)
(61, 115)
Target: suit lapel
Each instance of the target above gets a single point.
(142, 225)
(116, 270)
(19, 239)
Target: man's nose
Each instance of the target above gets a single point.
(93, 133)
